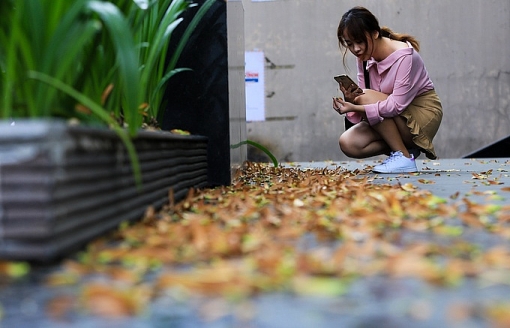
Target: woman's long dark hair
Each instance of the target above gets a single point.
(359, 21)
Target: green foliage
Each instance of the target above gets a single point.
(155, 27)
(96, 109)
(98, 61)
(115, 53)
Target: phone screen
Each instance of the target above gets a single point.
(345, 80)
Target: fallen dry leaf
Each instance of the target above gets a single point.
(289, 229)
(113, 302)
(58, 307)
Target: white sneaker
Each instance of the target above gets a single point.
(396, 163)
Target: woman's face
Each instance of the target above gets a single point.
(359, 48)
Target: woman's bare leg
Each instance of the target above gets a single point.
(364, 140)
(361, 141)
(390, 133)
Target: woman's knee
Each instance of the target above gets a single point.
(347, 146)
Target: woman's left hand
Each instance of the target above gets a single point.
(342, 107)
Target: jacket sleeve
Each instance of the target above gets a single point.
(404, 91)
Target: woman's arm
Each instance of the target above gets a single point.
(368, 97)
(405, 80)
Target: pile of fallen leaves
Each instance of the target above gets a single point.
(286, 229)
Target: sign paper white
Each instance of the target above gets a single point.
(255, 92)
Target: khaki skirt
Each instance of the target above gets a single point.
(424, 116)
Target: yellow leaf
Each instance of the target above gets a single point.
(181, 132)
(319, 286)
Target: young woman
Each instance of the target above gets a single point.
(400, 113)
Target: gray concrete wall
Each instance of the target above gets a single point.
(464, 46)
(237, 103)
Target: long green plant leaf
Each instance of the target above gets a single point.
(99, 111)
(76, 38)
(154, 35)
(143, 4)
(260, 147)
(11, 35)
(165, 79)
(53, 48)
(122, 39)
(204, 8)
(189, 30)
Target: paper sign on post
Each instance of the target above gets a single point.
(255, 92)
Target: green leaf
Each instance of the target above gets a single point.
(122, 39)
(18, 269)
(165, 79)
(204, 8)
(154, 37)
(319, 286)
(143, 4)
(259, 146)
(189, 30)
(100, 112)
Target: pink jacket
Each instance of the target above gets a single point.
(402, 75)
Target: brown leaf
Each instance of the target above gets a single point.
(106, 93)
(108, 301)
(82, 109)
(58, 307)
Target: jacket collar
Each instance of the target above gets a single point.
(387, 62)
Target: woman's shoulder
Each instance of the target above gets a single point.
(402, 49)
(399, 45)
(394, 57)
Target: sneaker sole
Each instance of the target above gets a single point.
(396, 171)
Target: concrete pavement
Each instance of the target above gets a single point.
(376, 301)
(480, 180)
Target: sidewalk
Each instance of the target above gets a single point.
(473, 178)
(367, 301)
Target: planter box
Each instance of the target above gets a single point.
(62, 185)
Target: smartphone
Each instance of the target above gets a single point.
(345, 80)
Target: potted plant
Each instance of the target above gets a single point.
(101, 64)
